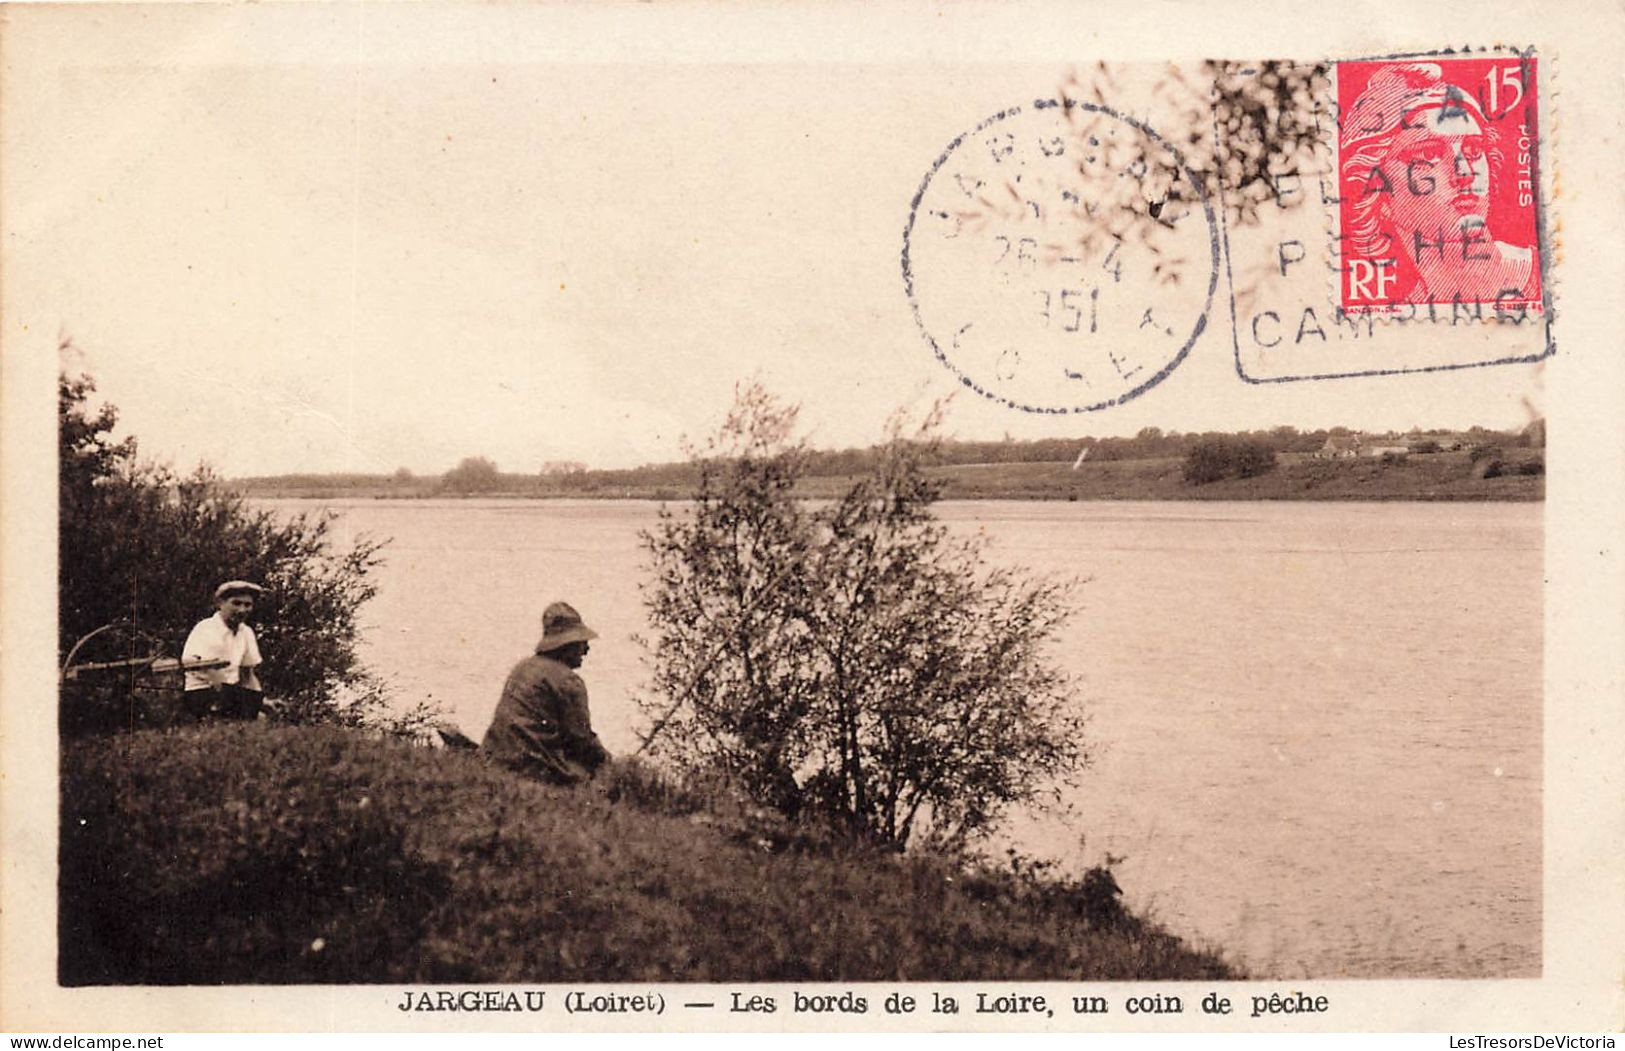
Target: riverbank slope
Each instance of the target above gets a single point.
(263, 854)
(1437, 477)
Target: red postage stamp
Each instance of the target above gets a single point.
(1439, 187)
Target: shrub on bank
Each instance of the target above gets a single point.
(143, 548)
(1212, 459)
(259, 854)
(853, 661)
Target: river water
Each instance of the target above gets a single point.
(1317, 727)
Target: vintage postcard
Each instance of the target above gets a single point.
(778, 516)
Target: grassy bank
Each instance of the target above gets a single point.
(1436, 476)
(260, 854)
(1440, 476)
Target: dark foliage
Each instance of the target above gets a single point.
(1272, 128)
(1212, 459)
(1488, 460)
(475, 474)
(143, 547)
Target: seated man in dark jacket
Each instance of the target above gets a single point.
(542, 727)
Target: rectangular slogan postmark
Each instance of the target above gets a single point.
(1400, 225)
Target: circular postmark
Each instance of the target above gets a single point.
(1061, 257)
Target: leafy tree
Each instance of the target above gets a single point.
(1253, 458)
(850, 661)
(144, 547)
(475, 474)
(1207, 462)
(1219, 456)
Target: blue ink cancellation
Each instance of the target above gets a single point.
(1055, 257)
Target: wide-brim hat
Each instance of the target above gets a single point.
(232, 587)
(561, 625)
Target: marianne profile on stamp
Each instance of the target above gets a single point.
(1435, 173)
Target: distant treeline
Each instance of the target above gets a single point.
(477, 474)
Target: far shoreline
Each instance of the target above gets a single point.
(1448, 477)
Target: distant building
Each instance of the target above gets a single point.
(1384, 450)
(1339, 448)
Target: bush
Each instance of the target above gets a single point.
(1218, 457)
(1488, 461)
(1532, 467)
(850, 662)
(475, 474)
(142, 546)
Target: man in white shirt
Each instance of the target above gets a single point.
(232, 691)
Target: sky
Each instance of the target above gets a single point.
(359, 239)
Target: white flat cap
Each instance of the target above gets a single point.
(233, 586)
